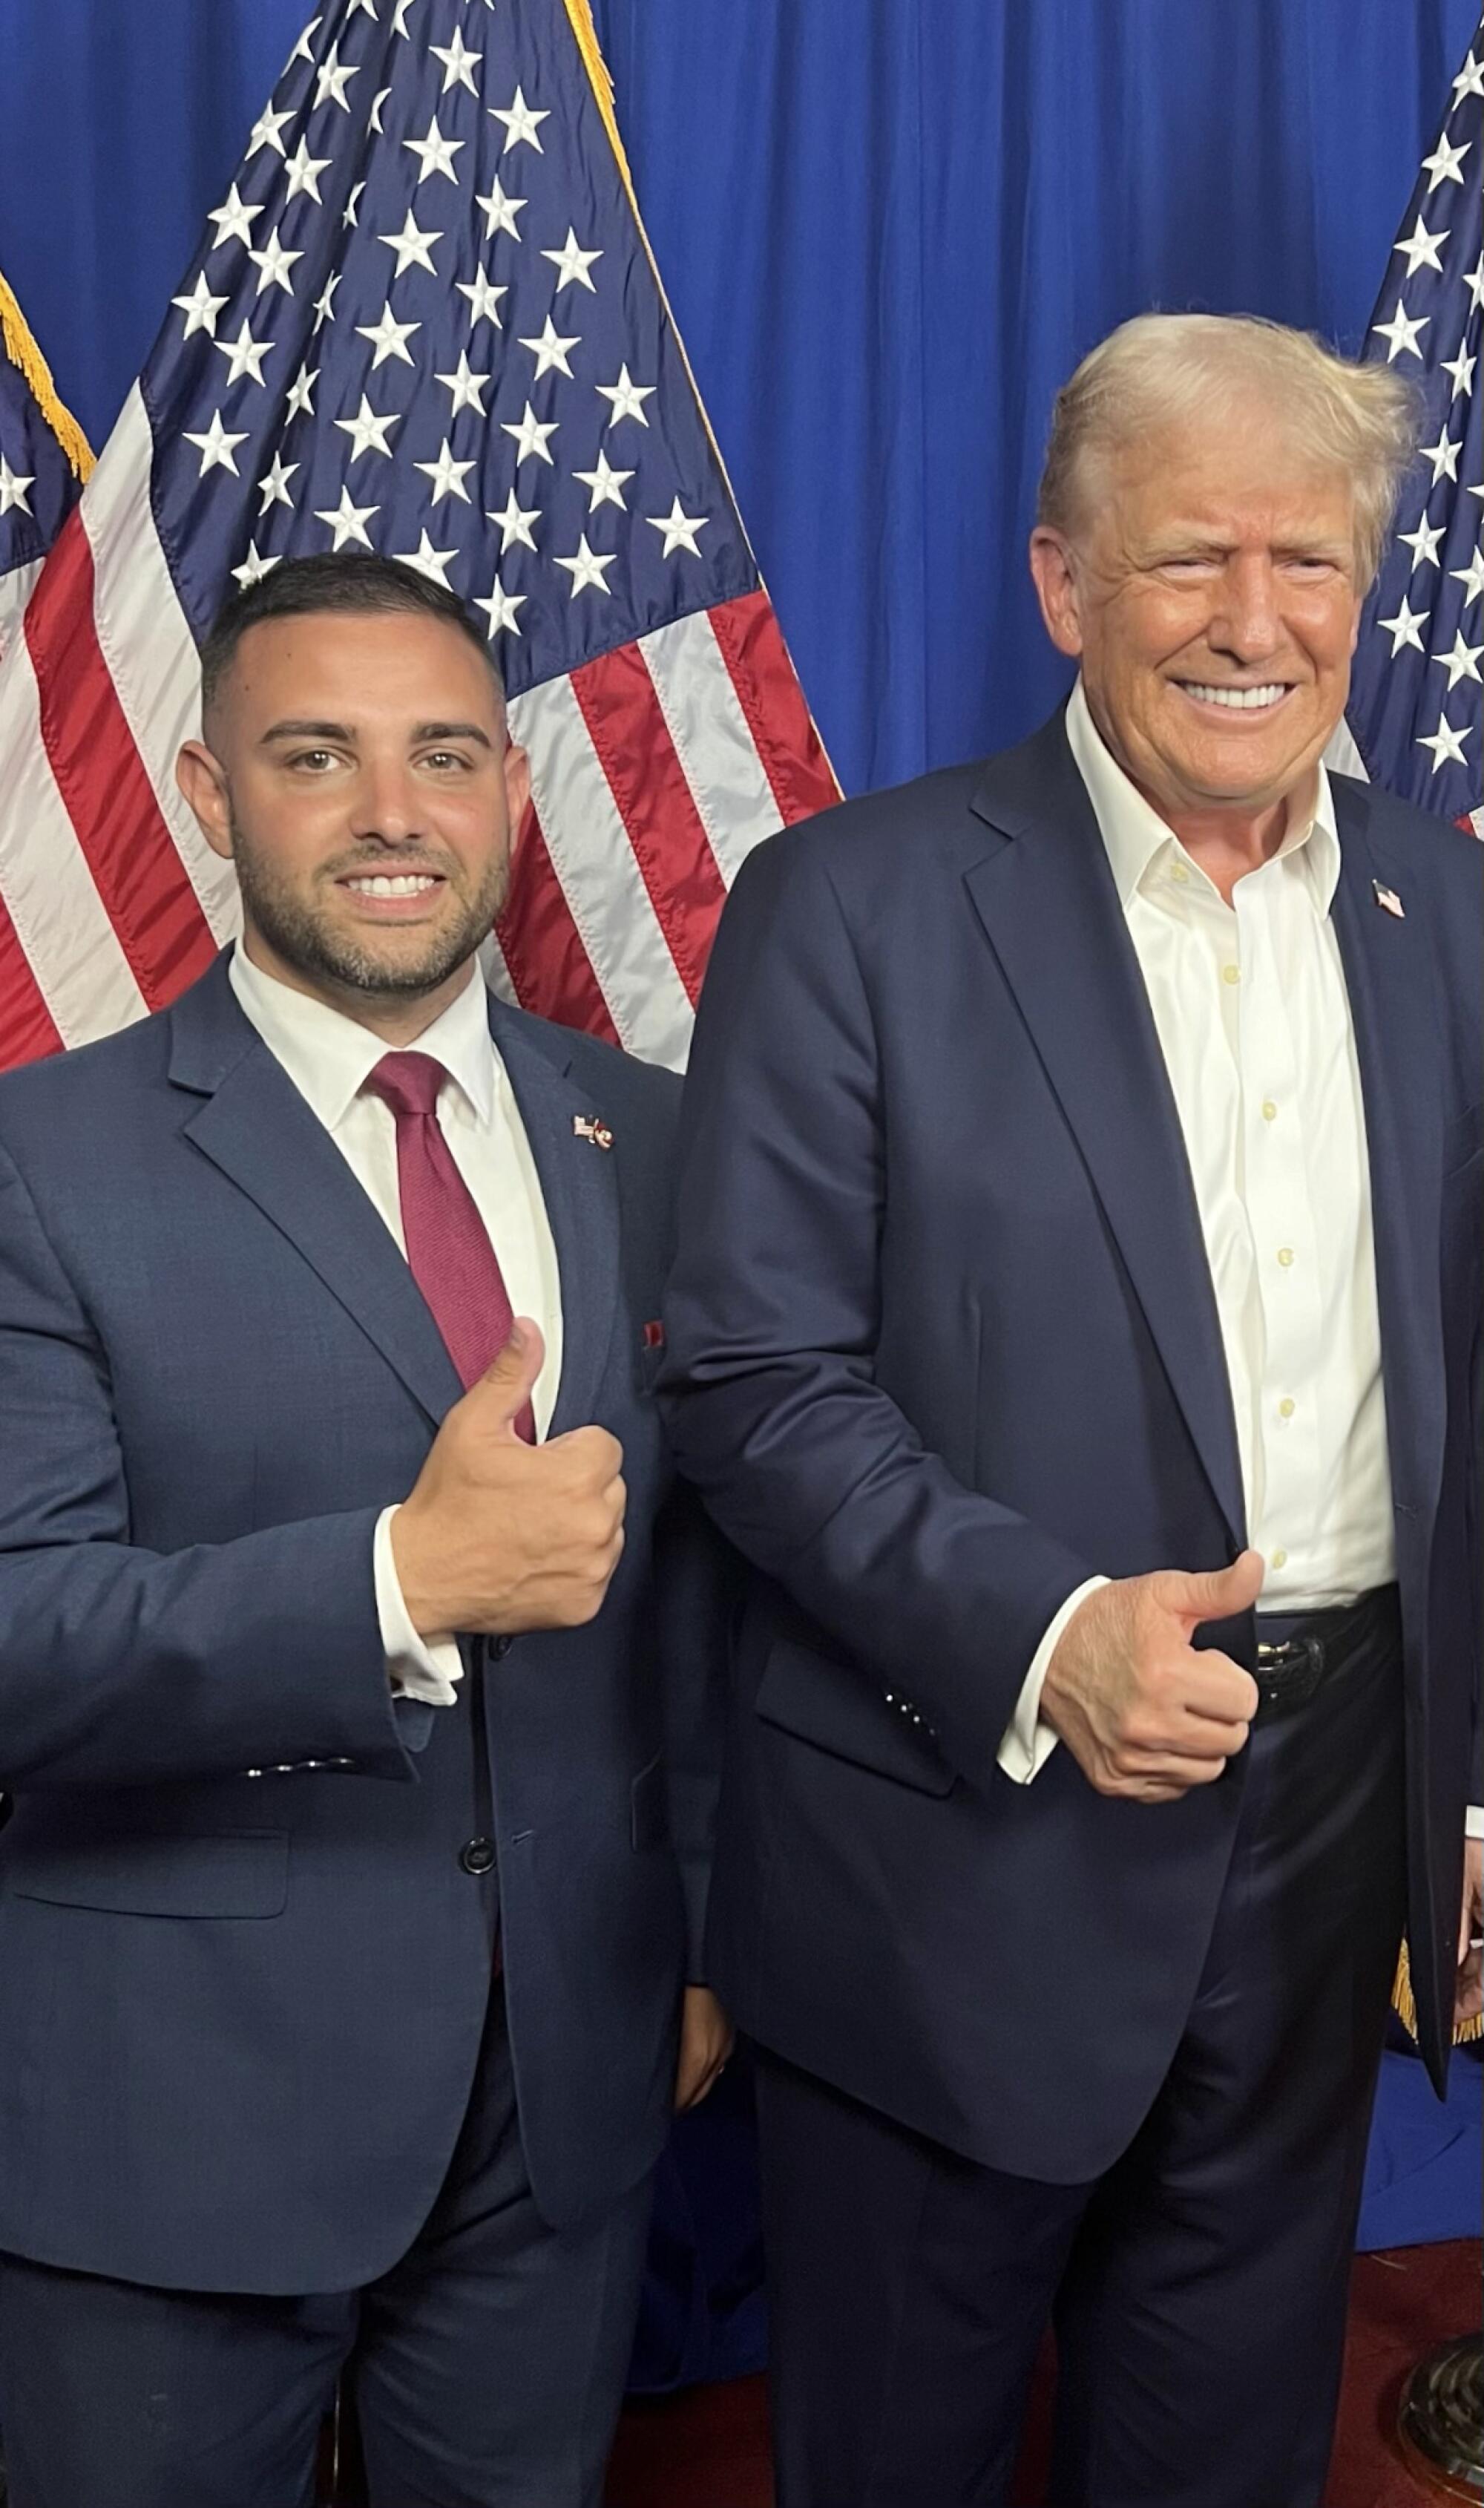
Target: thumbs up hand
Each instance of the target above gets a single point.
(1145, 1715)
(502, 1392)
(497, 1536)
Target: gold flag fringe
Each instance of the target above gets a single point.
(1405, 2005)
(580, 12)
(23, 352)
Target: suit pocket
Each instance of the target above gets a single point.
(240, 1873)
(649, 1815)
(815, 1698)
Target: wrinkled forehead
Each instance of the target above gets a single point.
(1231, 479)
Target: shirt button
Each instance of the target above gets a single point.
(478, 1856)
(1285, 1407)
(1178, 871)
(1269, 1111)
(498, 1648)
(1279, 1559)
(1231, 975)
(1285, 1255)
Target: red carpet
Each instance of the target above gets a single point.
(709, 2449)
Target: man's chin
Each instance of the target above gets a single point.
(398, 974)
(1239, 775)
(382, 965)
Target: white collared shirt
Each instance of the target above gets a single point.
(1253, 1020)
(328, 1058)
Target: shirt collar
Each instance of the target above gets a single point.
(329, 1056)
(1135, 834)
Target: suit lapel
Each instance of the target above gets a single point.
(253, 1125)
(1390, 979)
(1049, 908)
(579, 1185)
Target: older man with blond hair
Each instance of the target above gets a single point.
(1076, 1323)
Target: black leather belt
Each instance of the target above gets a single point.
(1298, 1652)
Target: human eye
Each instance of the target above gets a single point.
(312, 761)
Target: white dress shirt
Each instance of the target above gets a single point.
(1253, 1021)
(328, 1058)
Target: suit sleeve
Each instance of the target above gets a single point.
(772, 1321)
(124, 1665)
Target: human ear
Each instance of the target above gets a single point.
(202, 781)
(1054, 574)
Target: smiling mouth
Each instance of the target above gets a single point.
(1262, 700)
(392, 884)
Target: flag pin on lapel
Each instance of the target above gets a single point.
(1389, 900)
(590, 1128)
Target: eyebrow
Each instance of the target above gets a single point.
(453, 731)
(342, 732)
(307, 731)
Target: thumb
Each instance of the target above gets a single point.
(1214, 1593)
(505, 1387)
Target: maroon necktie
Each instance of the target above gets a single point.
(448, 1244)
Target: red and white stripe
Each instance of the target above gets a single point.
(654, 771)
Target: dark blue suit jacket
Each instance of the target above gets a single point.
(240, 2012)
(942, 1343)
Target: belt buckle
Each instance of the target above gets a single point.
(1288, 1675)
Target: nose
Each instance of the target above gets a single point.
(1247, 624)
(384, 805)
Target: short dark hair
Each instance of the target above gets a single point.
(334, 579)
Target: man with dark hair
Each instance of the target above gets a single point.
(344, 581)
(355, 1646)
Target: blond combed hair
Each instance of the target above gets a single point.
(1163, 370)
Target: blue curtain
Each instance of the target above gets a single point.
(889, 228)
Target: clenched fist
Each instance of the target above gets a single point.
(497, 1536)
(1142, 1713)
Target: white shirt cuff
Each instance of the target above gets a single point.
(425, 1668)
(1474, 1825)
(1029, 1741)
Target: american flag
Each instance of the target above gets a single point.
(1415, 708)
(424, 319)
(44, 459)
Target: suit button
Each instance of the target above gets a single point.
(499, 1648)
(478, 1856)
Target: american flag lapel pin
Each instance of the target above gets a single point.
(590, 1128)
(1388, 900)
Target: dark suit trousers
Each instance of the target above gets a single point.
(1198, 2290)
(489, 2364)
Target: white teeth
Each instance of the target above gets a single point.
(1238, 700)
(405, 884)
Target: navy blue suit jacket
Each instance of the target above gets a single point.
(942, 1343)
(240, 2012)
